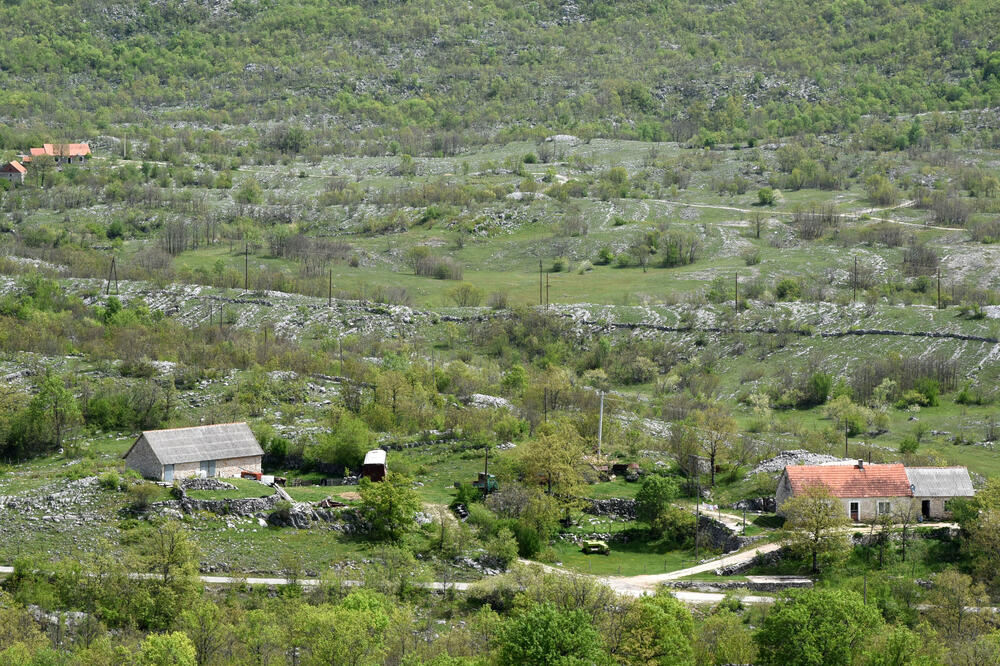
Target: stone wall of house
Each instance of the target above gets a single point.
(142, 459)
(938, 511)
(183, 470)
(232, 467)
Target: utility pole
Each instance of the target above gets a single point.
(854, 297)
(546, 291)
(600, 426)
(846, 431)
(939, 288)
(112, 274)
(246, 267)
(697, 513)
(539, 281)
(737, 292)
(329, 292)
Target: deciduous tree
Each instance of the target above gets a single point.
(813, 523)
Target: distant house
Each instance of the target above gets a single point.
(868, 491)
(374, 467)
(933, 486)
(63, 153)
(222, 451)
(13, 172)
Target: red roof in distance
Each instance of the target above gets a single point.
(847, 481)
(13, 167)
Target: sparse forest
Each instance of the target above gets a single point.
(591, 274)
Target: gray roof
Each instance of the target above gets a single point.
(940, 481)
(212, 442)
(375, 457)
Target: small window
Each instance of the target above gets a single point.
(884, 508)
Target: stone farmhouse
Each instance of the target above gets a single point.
(13, 172)
(221, 451)
(868, 491)
(63, 153)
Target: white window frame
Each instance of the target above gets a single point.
(884, 508)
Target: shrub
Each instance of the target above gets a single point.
(605, 256)
(909, 445)
(528, 541)
(466, 295)
(530, 158)
(141, 495)
(109, 480)
(766, 196)
(751, 256)
(787, 289)
(498, 300)
(560, 264)
(502, 548)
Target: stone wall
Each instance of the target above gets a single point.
(617, 507)
(242, 506)
(718, 536)
(142, 459)
(757, 504)
(232, 467)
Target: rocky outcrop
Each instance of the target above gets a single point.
(778, 463)
(616, 507)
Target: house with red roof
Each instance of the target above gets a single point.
(13, 172)
(63, 153)
(868, 491)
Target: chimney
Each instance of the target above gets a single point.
(861, 463)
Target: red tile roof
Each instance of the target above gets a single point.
(62, 150)
(13, 167)
(846, 481)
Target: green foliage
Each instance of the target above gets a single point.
(654, 497)
(541, 635)
(827, 628)
(766, 196)
(389, 506)
(173, 649)
(344, 447)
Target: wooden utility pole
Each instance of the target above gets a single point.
(737, 292)
(546, 291)
(246, 267)
(697, 512)
(939, 288)
(539, 281)
(600, 426)
(329, 293)
(112, 274)
(854, 297)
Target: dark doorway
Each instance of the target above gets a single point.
(925, 508)
(855, 512)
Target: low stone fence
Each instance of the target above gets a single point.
(719, 536)
(240, 506)
(616, 507)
